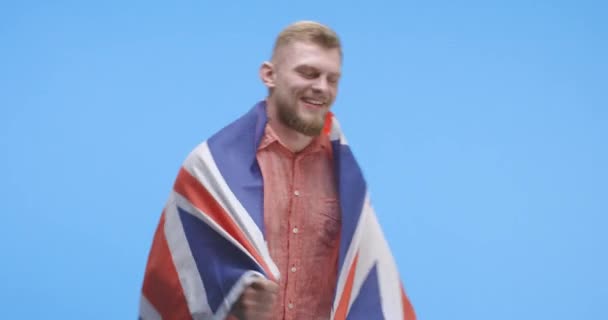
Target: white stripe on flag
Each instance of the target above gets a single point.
(147, 310)
(191, 282)
(336, 132)
(237, 289)
(202, 166)
(351, 252)
(183, 203)
(367, 257)
(388, 275)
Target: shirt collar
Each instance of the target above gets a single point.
(270, 137)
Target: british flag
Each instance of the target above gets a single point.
(209, 245)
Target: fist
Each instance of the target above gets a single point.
(256, 301)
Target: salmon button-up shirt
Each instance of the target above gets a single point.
(302, 222)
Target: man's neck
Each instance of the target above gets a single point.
(292, 139)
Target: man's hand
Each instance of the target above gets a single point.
(256, 301)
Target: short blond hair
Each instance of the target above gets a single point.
(308, 31)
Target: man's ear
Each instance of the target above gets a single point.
(267, 74)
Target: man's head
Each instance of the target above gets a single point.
(302, 76)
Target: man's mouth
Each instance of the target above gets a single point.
(313, 103)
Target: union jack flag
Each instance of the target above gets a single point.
(209, 245)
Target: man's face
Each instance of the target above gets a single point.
(305, 85)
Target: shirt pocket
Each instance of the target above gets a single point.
(327, 222)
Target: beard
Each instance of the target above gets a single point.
(288, 115)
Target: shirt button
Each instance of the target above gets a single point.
(296, 193)
(294, 230)
(290, 305)
(293, 269)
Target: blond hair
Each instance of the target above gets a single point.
(308, 31)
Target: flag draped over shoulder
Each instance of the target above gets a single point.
(209, 244)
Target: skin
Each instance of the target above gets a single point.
(302, 81)
(256, 301)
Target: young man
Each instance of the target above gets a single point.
(299, 185)
(282, 227)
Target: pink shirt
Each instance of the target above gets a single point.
(302, 221)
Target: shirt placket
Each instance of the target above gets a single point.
(294, 229)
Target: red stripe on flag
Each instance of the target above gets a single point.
(408, 310)
(187, 186)
(161, 282)
(342, 310)
(328, 122)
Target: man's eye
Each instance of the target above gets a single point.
(308, 74)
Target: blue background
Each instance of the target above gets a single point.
(481, 127)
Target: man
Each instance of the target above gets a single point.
(282, 227)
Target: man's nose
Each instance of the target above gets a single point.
(320, 85)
